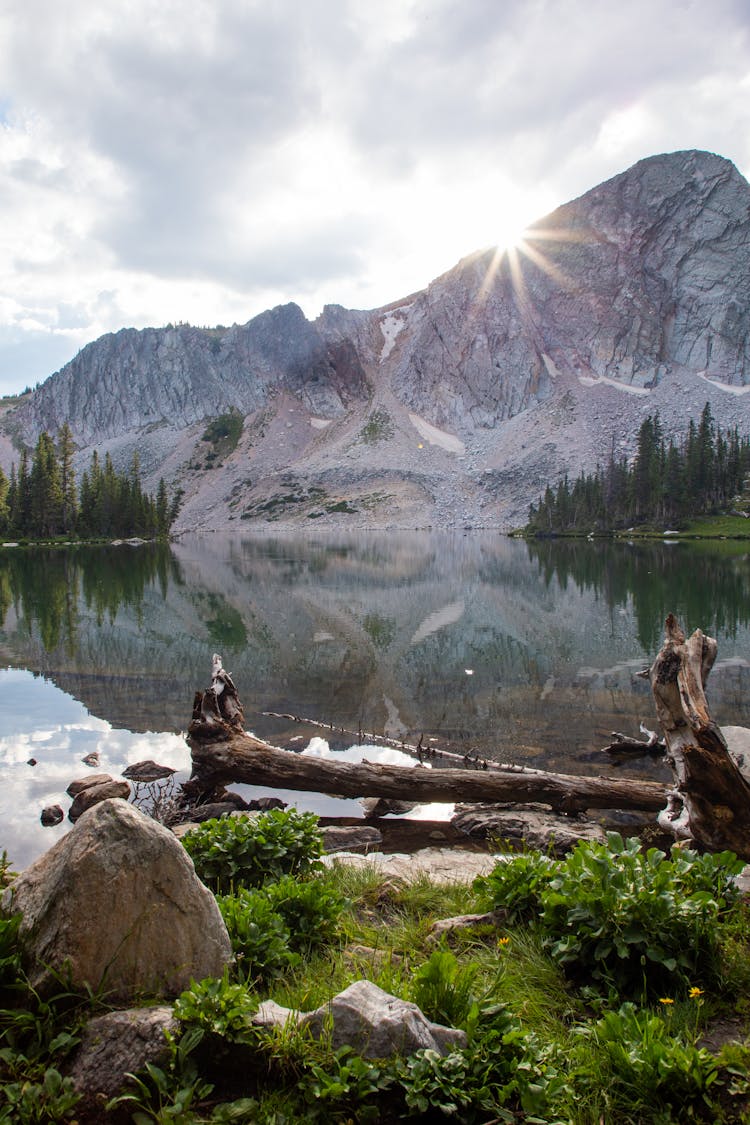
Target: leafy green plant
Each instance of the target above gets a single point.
(247, 851)
(626, 920)
(220, 1007)
(310, 910)
(636, 922)
(345, 1085)
(516, 884)
(638, 1067)
(260, 938)
(461, 1085)
(26, 1102)
(270, 925)
(169, 1095)
(444, 989)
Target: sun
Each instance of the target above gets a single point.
(510, 233)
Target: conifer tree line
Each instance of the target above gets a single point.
(41, 499)
(665, 483)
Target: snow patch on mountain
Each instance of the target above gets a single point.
(437, 437)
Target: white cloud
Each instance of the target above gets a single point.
(204, 160)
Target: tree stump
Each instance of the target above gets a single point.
(709, 805)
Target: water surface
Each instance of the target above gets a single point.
(517, 652)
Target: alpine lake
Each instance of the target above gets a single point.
(478, 644)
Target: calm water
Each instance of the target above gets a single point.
(521, 652)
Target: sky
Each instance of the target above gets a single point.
(203, 160)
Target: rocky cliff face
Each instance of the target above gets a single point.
(134, 379)
(459, 403)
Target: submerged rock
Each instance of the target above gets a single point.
(51, 815)
(148, 771)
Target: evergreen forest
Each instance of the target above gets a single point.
(42, 499)
(666, 482)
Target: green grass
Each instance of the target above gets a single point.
(701, 527)
(542, 1046)
(717, 527)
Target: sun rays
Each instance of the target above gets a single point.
(531, 245)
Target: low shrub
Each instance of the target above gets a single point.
(310, 910)
(234, 852)
(269, 926)
(640, 924)
(260, 939)
(219, 1006)
(444, 989)
(516, 883)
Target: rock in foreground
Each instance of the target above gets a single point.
(116, 904)
(372, 1021)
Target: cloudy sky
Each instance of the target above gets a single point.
(202, 160)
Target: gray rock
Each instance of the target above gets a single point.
(271, 1014)
(82, 783)
(114, 1045)
(147, 771)
(95, 794)
(116, 905)
(351, 839)
(529, 828)
(448, 928)
(379, 1025)
(376, 1024)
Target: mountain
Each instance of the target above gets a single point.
(457, 404)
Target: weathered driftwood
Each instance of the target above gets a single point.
(625, 744)
(222, 753)
(710, 802)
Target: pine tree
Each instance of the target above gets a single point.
(66, 450)
(4, 510)
(162, 508)
(45, 489)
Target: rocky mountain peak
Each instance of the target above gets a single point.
(457, 403)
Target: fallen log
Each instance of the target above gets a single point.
(223, 753)
(709, 805)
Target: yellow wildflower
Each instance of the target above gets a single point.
(694, 993)
(503, 940)
(666, 1000)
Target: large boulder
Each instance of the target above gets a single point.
(116, 904)
(376, 1024)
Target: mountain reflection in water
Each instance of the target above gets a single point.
(518, 652)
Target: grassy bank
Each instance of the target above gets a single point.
(701, 527)
(614, 987)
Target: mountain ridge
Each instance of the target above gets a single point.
(454, 405)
